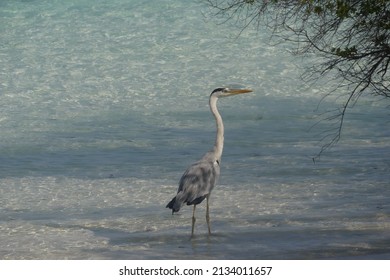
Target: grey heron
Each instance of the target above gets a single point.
(200, 178)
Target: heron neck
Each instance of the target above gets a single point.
(218, 147)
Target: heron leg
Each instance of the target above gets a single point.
(193, 221)
(208, 214)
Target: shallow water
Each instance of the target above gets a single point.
(104, 105)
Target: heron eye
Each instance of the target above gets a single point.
(217, 90)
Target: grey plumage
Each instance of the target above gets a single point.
(197, 182)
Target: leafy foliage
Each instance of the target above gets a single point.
(351, 38)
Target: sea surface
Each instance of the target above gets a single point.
(104, 103)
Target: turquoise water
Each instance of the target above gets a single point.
(104, 105)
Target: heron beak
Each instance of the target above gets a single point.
(238, 91)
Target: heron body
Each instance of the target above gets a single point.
(201, 177)
(196, 183)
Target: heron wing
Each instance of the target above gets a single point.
(196, 183)
(198, 180)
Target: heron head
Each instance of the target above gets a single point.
(224, 92)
